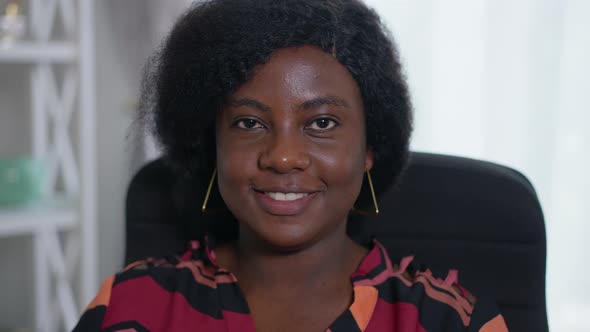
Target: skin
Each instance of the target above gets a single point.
(297, 126)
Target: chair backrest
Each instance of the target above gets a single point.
(481, 218)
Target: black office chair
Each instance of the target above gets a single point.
(481, 218)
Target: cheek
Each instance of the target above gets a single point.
(342, 168)
(235, 164)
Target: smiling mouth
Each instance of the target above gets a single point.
(287, 197)
(284, 203)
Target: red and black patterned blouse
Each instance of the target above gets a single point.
(191, 293)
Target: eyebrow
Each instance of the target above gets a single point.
(237, 102)
(309, 104)
(326, 100)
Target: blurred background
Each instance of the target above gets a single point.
(498, 80)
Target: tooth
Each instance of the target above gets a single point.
(285, 196)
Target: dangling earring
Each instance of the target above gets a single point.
(373, 196)
(204, 207)
(372, 192)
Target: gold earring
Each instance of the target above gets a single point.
(372, 192)
(373, 196)
(204, 207)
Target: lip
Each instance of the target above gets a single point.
(284, 208)
(284, 189)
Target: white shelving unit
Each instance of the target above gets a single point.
(31, 52)
(62, 93)
(55, 212)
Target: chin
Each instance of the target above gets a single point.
(287, 233)
(285, 237)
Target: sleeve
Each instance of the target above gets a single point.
(486, 317)
(92, 318)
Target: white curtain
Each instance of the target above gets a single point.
(508, 81)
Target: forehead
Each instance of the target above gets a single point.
(302, 73)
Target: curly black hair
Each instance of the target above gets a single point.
(217, 44)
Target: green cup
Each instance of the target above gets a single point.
(22, 181)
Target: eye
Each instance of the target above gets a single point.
(248, 124)
(322, 124)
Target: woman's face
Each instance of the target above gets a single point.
(291, 149)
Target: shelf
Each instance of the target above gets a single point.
(33, 52)
(57, 212)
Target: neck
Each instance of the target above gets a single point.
(325, 263)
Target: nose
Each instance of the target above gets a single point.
(285, 153)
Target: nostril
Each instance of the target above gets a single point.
(284, 154)
(283, 164)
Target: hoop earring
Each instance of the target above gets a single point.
(204, 207)
(373, 197)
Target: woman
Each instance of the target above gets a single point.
(290, 105)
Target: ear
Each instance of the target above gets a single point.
(369, 158)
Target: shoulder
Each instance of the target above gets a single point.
(133, 273)
(157, 277)
(142, 295)
(405, 283)
(165, 273)
(152, 275)
(145, 291)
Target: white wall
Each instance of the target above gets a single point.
(119, 57)
(127, 35)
